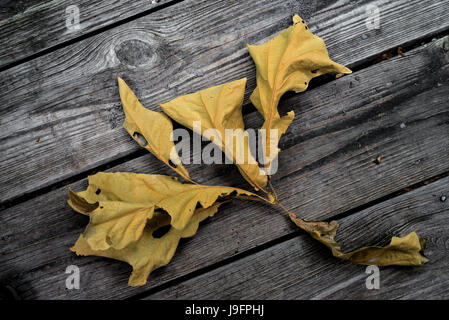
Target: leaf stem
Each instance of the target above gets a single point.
(255, 197)
(182, 175)
(272, 189)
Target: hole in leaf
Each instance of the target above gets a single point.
(160, 219)
(314, 71)
(162, 231)
(171, 163)
(140, 139)
(224, 197)
(98, 191)
(307, 27)
(101, 207)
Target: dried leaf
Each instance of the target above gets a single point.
(178, 199)
(112, 223)
(378, 160)
(116, 224)
(287, 62)
(406, 251)
(149, 252)
(220, 108)
(152, 130)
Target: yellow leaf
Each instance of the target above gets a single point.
(406, 251)
(126, 209)
(178, 199)
(149, 252)
(220, 108)
(286, 63)
(152, 130)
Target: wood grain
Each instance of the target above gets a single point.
(326, 169)
(302, 269)
(31, 27)
(69, 99)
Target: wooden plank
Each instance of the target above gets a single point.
(31, 27)
(69, 100)
(302, 269)
(324, 172)
(10, 8)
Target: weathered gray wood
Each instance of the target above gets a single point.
(29, 27)
(69, 100)
(323, 172)
(302, 269)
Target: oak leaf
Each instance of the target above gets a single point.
(219, 108)
(286, 63)
(149, 252)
